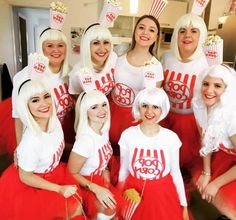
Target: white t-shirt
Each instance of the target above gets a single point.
(59, 85)
(151, 158)
(41, 153)
(129, 80)
(104, 81)
(180, 80)
(96, 148)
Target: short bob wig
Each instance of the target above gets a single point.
(53, 34)
(151, 96)
(84, 102)
(28, 90)
(94, 32)
(187, 21)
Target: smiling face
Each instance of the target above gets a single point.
(100, 50)
(211, 90)
(146, 32)
(149, 114)
(55, 51)
(40, 106)
(97, 114)
(188, 38)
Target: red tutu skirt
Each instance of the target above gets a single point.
(225, 200)
(90, 200)
(184, 125)
(7, 128)
(159, 201)
(20, 201)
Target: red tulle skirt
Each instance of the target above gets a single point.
(90, 200)
(7, 128)
(20, 201)
(159, 200)
(184, 125)
(225, 199)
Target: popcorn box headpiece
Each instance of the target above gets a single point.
(213, 49)
(58, 13)
(199, 6)
(157, 7)
(37, 66)
(111, 10)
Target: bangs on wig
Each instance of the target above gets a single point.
(153, 96)
(52, 34)
(83, 104)
(186, 21)
(28, 90)
(95, 32)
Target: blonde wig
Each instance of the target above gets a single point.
(84, 102)
(186, 21)
(27, 90)
(53, 34)
(151, 96)
(94, 32)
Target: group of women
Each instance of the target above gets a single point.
(136, 128)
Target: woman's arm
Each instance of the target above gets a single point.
(205, 176)
(30, 179)
(103, 195)
(227, 177)
(19, 130)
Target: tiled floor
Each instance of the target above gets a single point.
(200, 209)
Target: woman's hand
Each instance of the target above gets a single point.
(202, 182)
(210, 192)
(104, 196)
(67, 190)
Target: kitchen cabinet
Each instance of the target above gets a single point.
(123, 26)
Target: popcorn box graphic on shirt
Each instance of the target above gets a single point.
(199, 6)
(111, 10)
(58, 13)
(149, 76)
(86, 79)
(157, 7)
(213, 49)
(37, 65)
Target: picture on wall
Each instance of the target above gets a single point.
(76, 34)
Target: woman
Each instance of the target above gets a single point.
(130, 78)
(182, 65)
(41, 187)
(90, 156)
(214, 108)
(150, 160)
(97, 59)
(53, 45)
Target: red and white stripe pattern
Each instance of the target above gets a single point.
(158, 7)
(128, 210)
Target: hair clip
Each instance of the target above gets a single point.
(22, 85)
(157, 8)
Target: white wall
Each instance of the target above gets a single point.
(81, 13)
